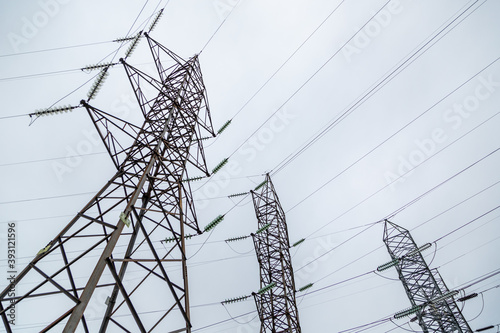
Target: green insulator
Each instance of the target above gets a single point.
(237, 194)
(192, 179)
(449, 294)
(219, 166)
(52, 111)
(214, 223)
(236, 299)
(418, 250)
(264, 228)
(123, 39)
(97, 66)
(298, 242)
(101, 77)
(223, 128)
(133, 45)
(267, 288)
(388, 265)
(407, 312)
(173, 239)
(260, 185)
(307, 286)
(156, 19)
(234, 239)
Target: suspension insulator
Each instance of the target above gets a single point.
(407, 312)
(52, 111)
(133, 45)
(267, 288)
(156, 19)
(188, 180)
(223, 128)
(219, 166)
(467, 297)
(260, 185)
(236, 299)
(97, 66)
(388, 265)
(298, 242)
(307, 286)
(101, 77)
(235, 239)
(237, 195)
(123, 39)
(214, 223)
(264, 228)
(420, 249)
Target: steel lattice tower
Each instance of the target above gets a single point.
(277, 307)
(130, 283)
(421, 285)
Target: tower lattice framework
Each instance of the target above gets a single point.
(422, 286)
(106, 269)
(277, 307)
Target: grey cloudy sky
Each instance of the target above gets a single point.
(388, 98)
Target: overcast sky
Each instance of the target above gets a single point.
(383, 102)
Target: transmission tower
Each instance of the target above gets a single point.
(427, 292)
(277, 307)
(106, 268)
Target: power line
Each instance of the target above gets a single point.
(310, 77)
(220, 25)
(288, 59)
(82, 85)
(389, 184)
(400, 130)
(56, 49)
(301, 86)
(222, 321)
(474, 249)
(374, 223)
(389, 76)
(466, 224)
(50, 159)
(387, 318)
(397, 211)
(39, 74)
(367, 94)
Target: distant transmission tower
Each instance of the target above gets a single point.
(433, 303)
(277, 306)
(106, 268)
